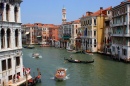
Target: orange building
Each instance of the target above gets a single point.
(39, 33)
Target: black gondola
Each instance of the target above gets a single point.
(78, 61)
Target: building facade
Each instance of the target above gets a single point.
(11, 42)
(107, 42)
(92, 25)
(75, 27)
(121, 31)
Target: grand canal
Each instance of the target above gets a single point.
(103, 72)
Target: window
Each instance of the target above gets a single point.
(76, 31)
(15, 13)
(94, 21)
(113, 48)
(16, 37)
(7, 12)
(94, 33)
(124, 51)
(3, 65)
(108, 12)
(9, 63)
(17, 61)
(94, 41)
(10, 77)
(76, 26)
(8, 38)
(2, 38)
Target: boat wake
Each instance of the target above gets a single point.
(67, 77)
(35, 57)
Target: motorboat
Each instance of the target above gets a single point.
(60, 74)
(36, 55)
(29, 46)
(69, 49)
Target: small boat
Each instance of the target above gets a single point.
(60, 74)
(45, 45)
(36, 55)
(88, 52)
(69, 49)
(29, 46)
(78, 61)
(74, 51)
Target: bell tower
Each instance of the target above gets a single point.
(63, 15)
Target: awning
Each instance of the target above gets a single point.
(39, 36)
(20, 82)
(27, 33)
(66, 37)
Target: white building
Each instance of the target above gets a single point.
(121, 31)
(11, 42)
(75, 27)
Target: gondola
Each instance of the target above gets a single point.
(78, 61)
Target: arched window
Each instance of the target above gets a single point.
(17, 61)
(2, 38)
(85, 32)
(16, 37)
(15, 13)
(8, 38)
(76, 31)
(1, 11)
(7, 12)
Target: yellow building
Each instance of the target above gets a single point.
(92, 25)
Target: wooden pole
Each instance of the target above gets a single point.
(26, 79)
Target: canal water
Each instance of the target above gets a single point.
(103, 72)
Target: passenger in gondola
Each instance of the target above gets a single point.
(30, 82)
(38, 78)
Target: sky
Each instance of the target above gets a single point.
(50, 11)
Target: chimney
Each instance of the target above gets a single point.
(101, 8)
(88, 13)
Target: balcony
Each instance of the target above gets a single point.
(122, 35)
(119, 24)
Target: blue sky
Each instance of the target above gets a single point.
(50, 11)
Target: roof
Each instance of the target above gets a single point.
(41, 25)
(99, 12)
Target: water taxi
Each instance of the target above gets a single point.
(60, 74)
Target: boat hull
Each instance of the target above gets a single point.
(59, 78)
(60, 74)
(73, 61)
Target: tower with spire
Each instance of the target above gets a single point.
(63, 15)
